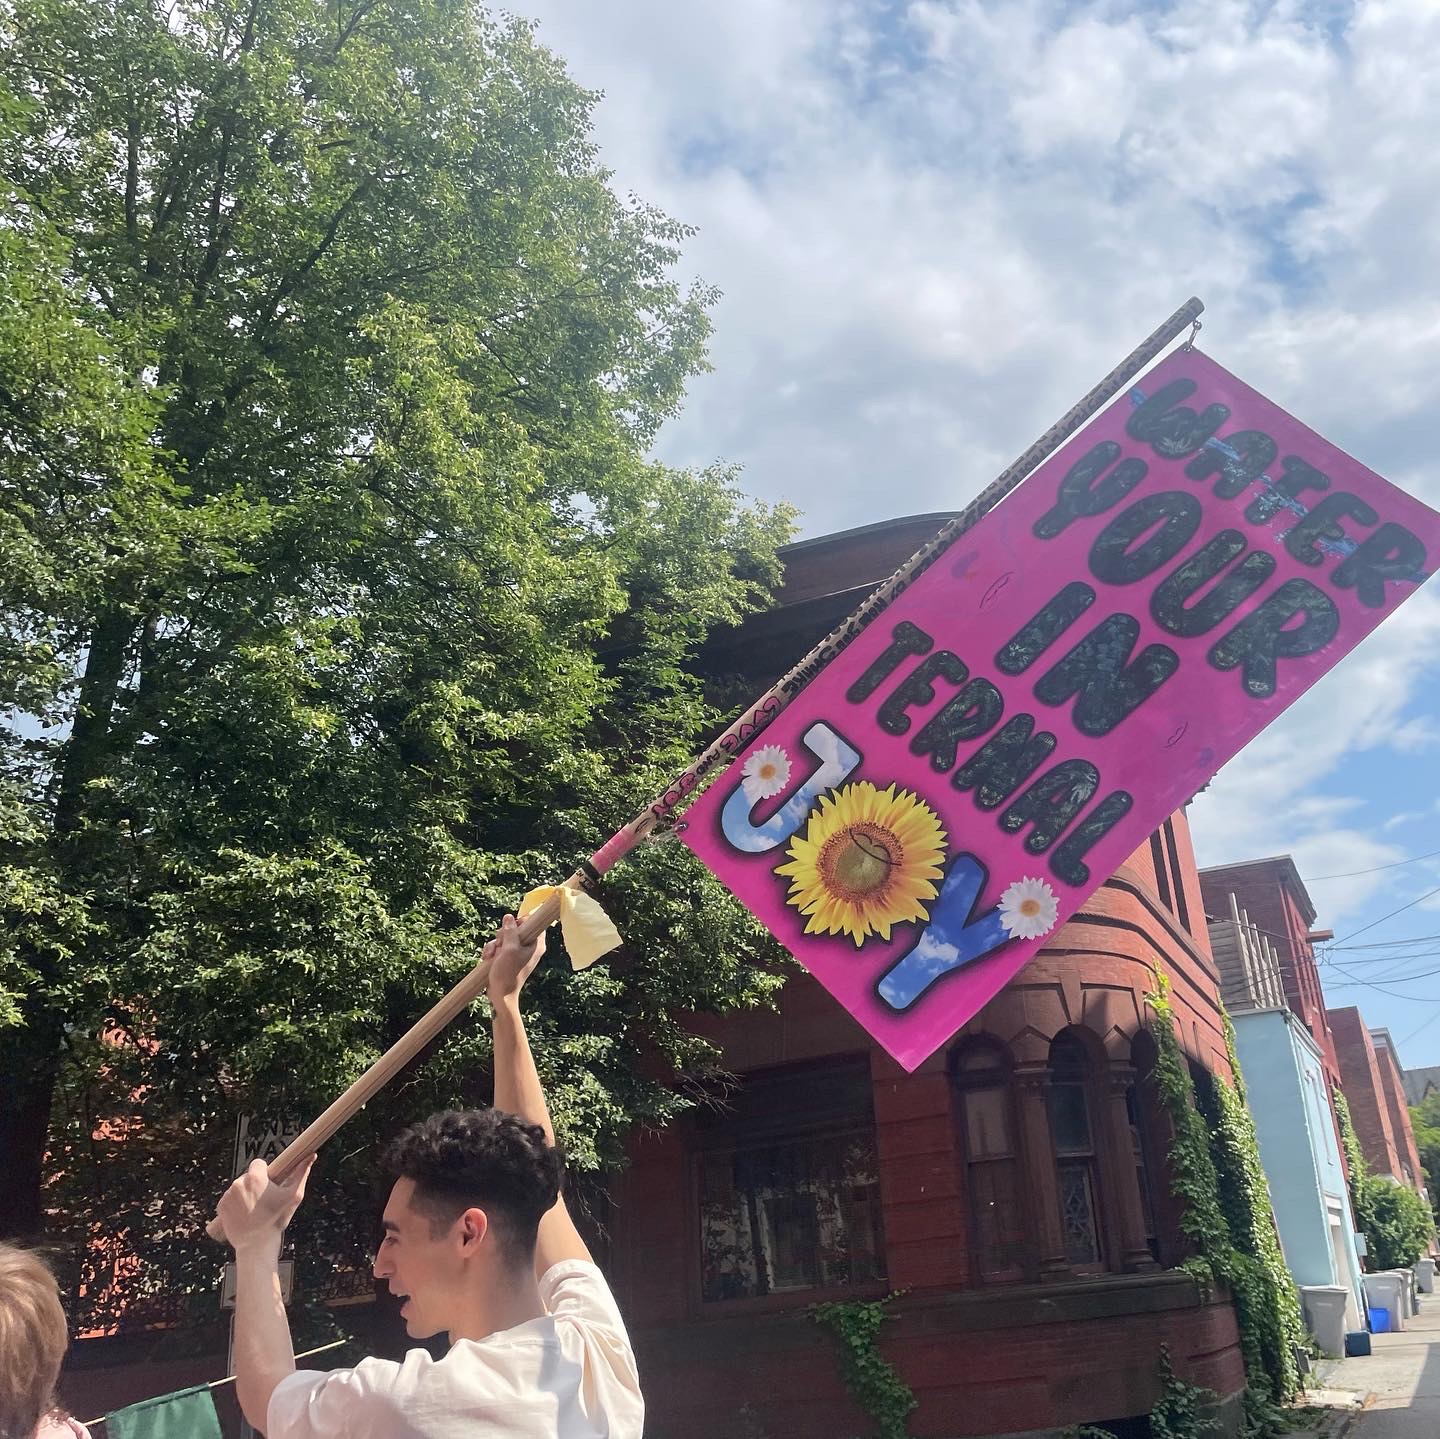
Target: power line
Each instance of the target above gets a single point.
(1413, 1033)
(1393, 993)
(1386, 943)
(1393, 958)
(1419, 899)
(1391, 979)
(1352, 873)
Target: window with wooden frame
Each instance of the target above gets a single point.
(990, 1146)
(1169, 872)
(1076, 1171)
(787, 1185)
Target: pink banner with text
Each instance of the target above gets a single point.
(923, 817)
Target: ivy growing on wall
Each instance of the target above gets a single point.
(870, 1377)
(1185, 1410)
(1355, 1166)
(1217, 1176)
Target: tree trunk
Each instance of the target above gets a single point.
(29, 1066)
(85, 751)
(30, 1058)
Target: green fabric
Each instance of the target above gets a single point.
(190, 1414)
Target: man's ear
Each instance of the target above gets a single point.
(474, 1225)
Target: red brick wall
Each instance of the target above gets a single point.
(1364, 1092)
(1401, 1130)
(978, 1363)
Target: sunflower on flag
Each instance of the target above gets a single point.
(867, 861)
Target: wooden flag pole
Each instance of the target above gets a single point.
(363, 1090)
(661, 809)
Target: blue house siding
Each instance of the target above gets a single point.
(1284, 1080)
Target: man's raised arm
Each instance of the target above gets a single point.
(517, 1084)
(255, 1211)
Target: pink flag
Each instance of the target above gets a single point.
(955, 783)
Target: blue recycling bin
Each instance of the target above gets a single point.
(1357, 1344)
(1379, 1321)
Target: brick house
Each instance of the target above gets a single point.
(1014, 1186)
(1274, 899)
(1397, 1106)
(1374, 1090)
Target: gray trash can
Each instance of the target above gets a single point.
(1384, 1291)
(1425, 1275)
(1324, 1306)
(1406, 1280)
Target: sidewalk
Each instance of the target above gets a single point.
(1397, 1386)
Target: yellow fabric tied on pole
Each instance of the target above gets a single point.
(586, 927)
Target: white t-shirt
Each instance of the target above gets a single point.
(568, 1375)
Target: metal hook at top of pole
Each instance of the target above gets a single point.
(1195, 328)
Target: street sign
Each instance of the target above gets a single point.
(263, 1137)
(227, 1283)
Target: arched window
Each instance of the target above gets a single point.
(1072, 1133)
(987, 1126)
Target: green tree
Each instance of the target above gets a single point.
(338, 599)
(1425, 1120)
(1396, 1222)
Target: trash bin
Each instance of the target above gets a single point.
(1357, 1343)
(1379, 1320)
(1406, 1282)
(1324, 1306)
(1383, 1291)
(1425, 1275)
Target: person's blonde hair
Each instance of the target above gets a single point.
(32, 1341)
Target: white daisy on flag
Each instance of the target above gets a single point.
(1028, 909)
(765, 773)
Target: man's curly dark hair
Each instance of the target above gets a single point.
(481, 1158)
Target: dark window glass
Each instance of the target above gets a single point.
(1142, 1167)
(1071, 1137)
(1177, 878)
(1162, 869)
(1069, 1118)
(782, 1214)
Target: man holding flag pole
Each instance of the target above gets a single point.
(477, 1239)
(479, 1244)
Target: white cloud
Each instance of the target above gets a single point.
(936, 224)
(1405, 817)
(932, 948)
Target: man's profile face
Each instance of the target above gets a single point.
(421, 1261)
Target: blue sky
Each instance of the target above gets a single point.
(937, 223)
